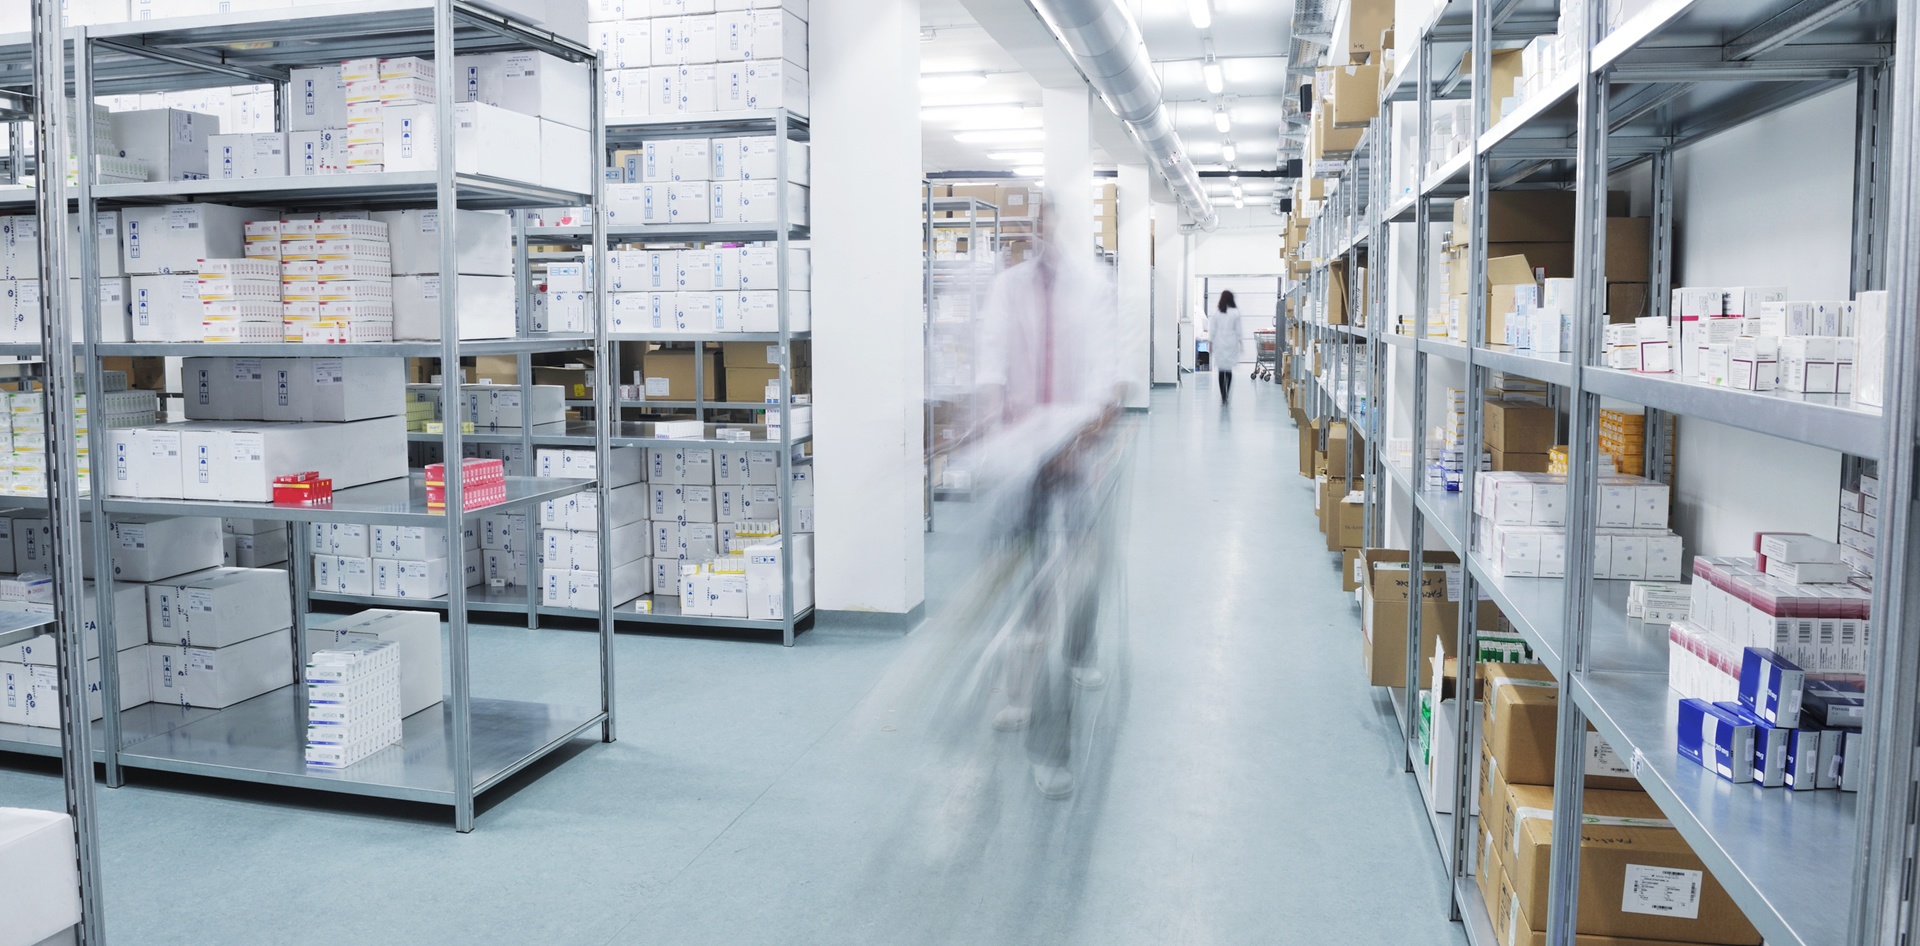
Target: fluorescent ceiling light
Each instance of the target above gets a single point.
(1201, 13)
(1215, 80)
(1018, 157)
(1030, 170)
(1238, 203)
(1221, 121)
(951, 81)
(1001, 136)
(1237, 192)
(1227, 153)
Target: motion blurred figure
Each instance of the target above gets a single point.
(1223, 341)
(1049, 391)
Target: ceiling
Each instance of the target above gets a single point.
(961, 61)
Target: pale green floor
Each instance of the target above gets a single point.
(1245, 787)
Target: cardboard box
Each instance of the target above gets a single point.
(483, 242)
(172, 141)
(489, 141)
(1356, 95)
(216, 678)
(1369, 22)
(486, 307)
(1523, 216)
(669, 374)
(174, 238)
(1519, 428)
(1520, 462)
(1384, 611)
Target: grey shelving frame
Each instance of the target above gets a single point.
(783, 233)
(471, 744)
(981, 219)
(1825, 868)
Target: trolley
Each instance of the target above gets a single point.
(1265, 352)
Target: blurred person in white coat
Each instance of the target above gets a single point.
(1048, 372)
(1223, 342)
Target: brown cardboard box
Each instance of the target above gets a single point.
(1522, 216)
(1621, 893)
(1505, 274)
(1629, 248)
(749, 385)
(990, 193)
(1520, 710)
(1506, 74)
(498, 369)
(1018, 200)
(1349, 569)
(1518, 428)
(1309, 442)
(1335, 142)
(1337, 292)
(1519, 462)
(676, 365)
(1368, 22)
(1626, 301)
(1489, 874)
(1384, 610)
(576, 383)
(1343, 521)
(1356, 95)
(763, 354)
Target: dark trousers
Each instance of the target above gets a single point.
(1226, 381)
(1055, 506)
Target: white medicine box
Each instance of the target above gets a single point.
(172, 142)
(489, 141)
(174, 238)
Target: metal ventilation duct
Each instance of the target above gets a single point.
(1105, 44)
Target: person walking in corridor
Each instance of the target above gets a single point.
(1223, 340)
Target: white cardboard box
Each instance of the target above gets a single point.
(485, 303)
(483, 242)
(151, 548)
(563, 157)
(416, 633)
(331, 389)
(173, 142)
(242, 157)
(543, 86)
(216, 678)
(218, 607)
(316, 98)
(766, 596)
(174, 238)
(489, 141)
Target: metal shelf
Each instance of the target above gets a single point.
(665, 233)
(653, 127)
(263, 740)
(1449, 179)
(392, 502)
(1398, 340)
(1445, 348)
(1540, 125)
(706, 337)
(17, 627)
(1822, 420)
(1786, 857)
(137, 724)
(387, 189)
(1474, 920)
(1446, 515)
(531, 344)
(1553, 369)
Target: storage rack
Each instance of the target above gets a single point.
(945, 278)
(783, 233)
(1824, 867)
(472, 744)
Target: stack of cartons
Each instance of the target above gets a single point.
(570, 538)
(162, 253)
(1639, 879)
(483, 262)
(1518, 433)
(1384, 605)
(681, 181)
(418, 562)
(714, 290)
(667, 59)
(353, 702)
(219, 636)
(29, 682)
(415, 633)
(254, 543)
(684, 509)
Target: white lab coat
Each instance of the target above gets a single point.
(1223, 339)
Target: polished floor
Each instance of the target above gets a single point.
(1243, 785)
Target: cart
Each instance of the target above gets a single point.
(1265, 351)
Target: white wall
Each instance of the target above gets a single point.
(1169, 273)
(869, 354)
(1769, 203)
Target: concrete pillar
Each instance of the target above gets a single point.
(1135, 274)
(1069, 167)
(869, 353)
(1169, 269)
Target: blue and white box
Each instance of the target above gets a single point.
(1715, 738)
(1769, 760)
(1770, 687)
(1836, 703)
(1803, 760)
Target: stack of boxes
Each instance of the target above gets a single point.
(666, 57)
(706, 291)
(520, 116)
(353, 702)
(220, 636)
(1859, 524)
(570, 538)
(416, 562)
(1520, 523)
(240, 300)
(29, 683)
(325, 414)
(1755, 339)
(487, 407)
(25, 473)
(483, 265)
(680, 181)
(336, 278)
(1623, 442)
(254, 543)
(161, 251)
(1639, 879)
(20, 278)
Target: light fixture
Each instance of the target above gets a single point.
(1238, 203)
(951, 81)
(1227, 152)
(1018, 157)
(1221, 121)
(1233, 175)
(1201, 13)
(1029, 170)
(989, 114)
(1216, 81)
(1237, 192)
(1001, 136)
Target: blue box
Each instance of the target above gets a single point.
(1717, 740)
(1770, 687)
(1836, 703)
(1803, 759)
(1769, 761)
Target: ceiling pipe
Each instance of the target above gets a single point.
(1104, 42)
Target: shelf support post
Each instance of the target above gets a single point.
(1416, 473)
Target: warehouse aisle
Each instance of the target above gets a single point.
(1249, 793)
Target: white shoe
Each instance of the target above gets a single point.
(1089, 678)
(1054, 781)
(1012, 718)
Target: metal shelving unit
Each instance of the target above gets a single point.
(1812, 868)
(470, 743)
(958, 283)
(782, 233)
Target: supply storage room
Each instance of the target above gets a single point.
(409, 424)
(1646, 391)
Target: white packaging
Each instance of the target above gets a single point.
(1870, 356)
(485, 305)
(766, 598)
(483, 242)
(172, 142)
(174, 238)
(216, 678)
(331, 389)
(317, 152)
(564, 162)
(489, 141)
(316, 99)
(760, 269)
(219, 607)
(240, 157)
(687, 203)
(697, 87)
(543, 86)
